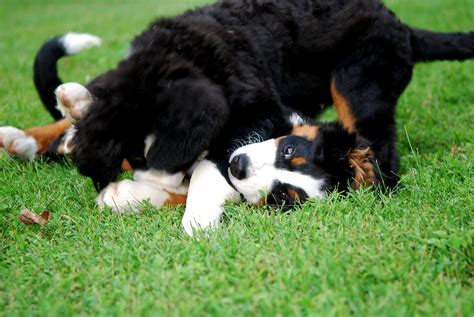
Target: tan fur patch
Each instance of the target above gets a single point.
(364, 173)
(175, 199)
(299, 160)
(126, 166)
(306, 131)
(46, 134)
(343, 109)
(277, 141)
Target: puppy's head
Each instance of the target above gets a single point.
(95, 150)
(310, 161)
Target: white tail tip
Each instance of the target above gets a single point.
(75, 42)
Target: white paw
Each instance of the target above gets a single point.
(17, 143)
(125, 196)
(73, 101)
(75, 42)
(194, 221)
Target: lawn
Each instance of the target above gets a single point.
(406, 253)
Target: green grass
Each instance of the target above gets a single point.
(368, 254)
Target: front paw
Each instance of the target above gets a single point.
(205, 219)
(17, 143)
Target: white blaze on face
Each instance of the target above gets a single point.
(262, 173)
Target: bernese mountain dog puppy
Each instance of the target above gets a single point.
(196, 85)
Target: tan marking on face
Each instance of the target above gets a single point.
(299, 160)
(175, 199)
(360, 161)
(307, 131)
(293, 194)
(343, 109)
(45, 135)
(277, 140)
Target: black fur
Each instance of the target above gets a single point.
(210, 76)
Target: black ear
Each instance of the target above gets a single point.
(346, 156)
(96, 152)
(99, 160)
(192, 113)
(332, 143)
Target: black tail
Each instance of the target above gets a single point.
(431, 46)
(45, 72)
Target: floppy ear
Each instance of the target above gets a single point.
(344, 155)
(361, 161)
(97, 157)
(97, 149)
(192, 114)
(332, 144)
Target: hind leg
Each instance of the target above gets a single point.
(28, 144)
(73, 101)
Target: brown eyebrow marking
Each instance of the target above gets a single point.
(343, 109)
(299, 160)
(307, 131)
(277, 140)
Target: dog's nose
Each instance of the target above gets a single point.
(238, 166)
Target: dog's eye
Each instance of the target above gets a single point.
(288, 152)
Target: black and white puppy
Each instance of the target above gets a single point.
(196, 85)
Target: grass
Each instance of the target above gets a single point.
(367, 254)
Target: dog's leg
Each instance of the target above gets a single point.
(208, 191)
(29, 143)
(365, 96)
(73, 101)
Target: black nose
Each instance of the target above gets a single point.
(238, 166)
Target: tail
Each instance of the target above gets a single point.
(45, 72)
(431, 46)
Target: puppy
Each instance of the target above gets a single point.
(204, 81)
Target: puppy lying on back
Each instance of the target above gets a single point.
(196, 85)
